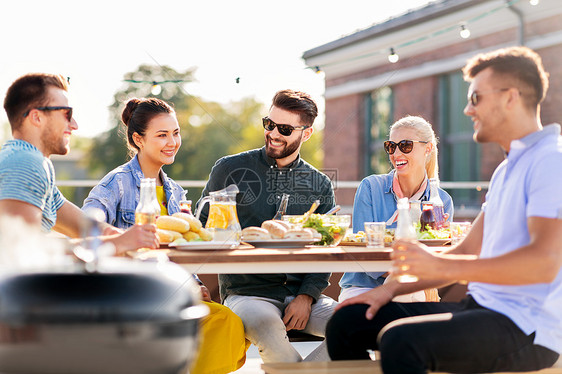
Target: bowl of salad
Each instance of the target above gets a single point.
(429, 236)
(332, 227)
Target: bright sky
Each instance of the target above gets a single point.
(97, 42)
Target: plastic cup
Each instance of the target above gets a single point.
(459, 231)
(375, 234)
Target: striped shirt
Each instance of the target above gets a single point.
(26, 175)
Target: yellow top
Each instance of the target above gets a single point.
(161, 196)
(223, 343)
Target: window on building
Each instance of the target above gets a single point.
(459, 155)
(378, 118)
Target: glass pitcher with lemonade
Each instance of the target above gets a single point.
(223, 220)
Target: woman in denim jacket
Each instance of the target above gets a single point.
(412, 150)
(153, 135)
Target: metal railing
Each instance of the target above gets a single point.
(478, 185)
(461, 211)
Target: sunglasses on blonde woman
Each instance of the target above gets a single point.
(405, 146)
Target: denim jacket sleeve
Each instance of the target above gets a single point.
(174, 194)
(448, 206)
(362, 206)
(104, 197)
(117, 196)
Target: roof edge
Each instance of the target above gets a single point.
(416, 16)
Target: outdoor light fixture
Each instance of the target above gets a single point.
(317, 69)
(156, 89)
(534, 2)
(393, 57)
(465, 32)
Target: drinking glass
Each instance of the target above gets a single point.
(459, 231)
(375, 234)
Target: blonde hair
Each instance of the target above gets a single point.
(425, 132)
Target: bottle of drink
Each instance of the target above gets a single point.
(148, 208)
(282, 207)
(435, 200)
(427, 218)
(185, 205)
(405, 230)
(415, 211)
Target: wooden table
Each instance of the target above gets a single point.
(247, 259)
(351, 367)
(324, 367)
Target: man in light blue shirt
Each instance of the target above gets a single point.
(41, 120)
(512, 257)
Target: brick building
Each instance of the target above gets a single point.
(365, 93)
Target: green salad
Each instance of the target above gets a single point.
(429, 233)
(329, 226)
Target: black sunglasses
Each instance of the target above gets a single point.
(285, 130)
(474, 97)
(405, 146)
(50, 108)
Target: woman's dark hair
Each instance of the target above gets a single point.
(138, 113)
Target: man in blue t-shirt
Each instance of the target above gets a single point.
(41, 121)
(512, 257)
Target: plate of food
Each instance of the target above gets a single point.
(279, 234)
(435, 242)
(358, 239)
(281, 243)
(429, 237)
(352, 244)
(200, 245)
(329, 228)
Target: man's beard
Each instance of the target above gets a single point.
(287, 150)
(55, 145)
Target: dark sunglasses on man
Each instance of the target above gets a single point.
(285, 130)
(474, 97)
(51, 108)
(405, 146)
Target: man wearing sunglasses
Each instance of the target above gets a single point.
(512, 256)
(41, 121)
(271, 304)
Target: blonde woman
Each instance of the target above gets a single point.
(412, 151)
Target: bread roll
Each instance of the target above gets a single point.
(205, 235)
(167, 236)
(276, 230)
(172, 223)
(191, 236)
(297, 234)
(286, 225)
(315, 234)
(255, 233)
(180, 241)
(194, 224)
